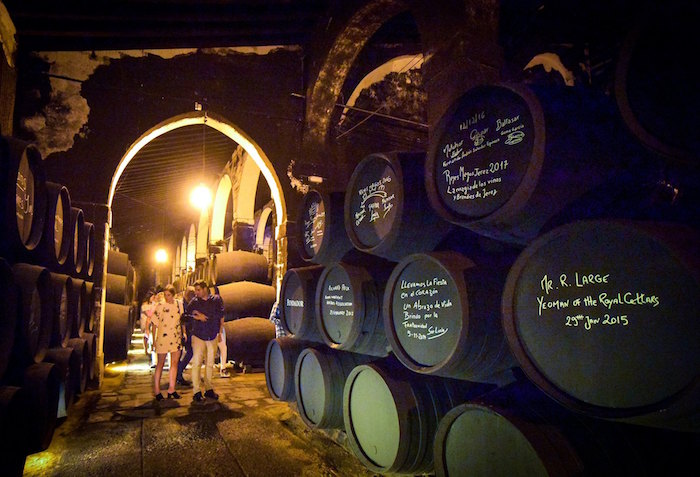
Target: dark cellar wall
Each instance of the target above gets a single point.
(129, 96)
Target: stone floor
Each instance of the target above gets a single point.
(120, 430)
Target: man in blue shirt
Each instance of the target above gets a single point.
(208, 313)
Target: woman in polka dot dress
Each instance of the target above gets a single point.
(166, 329)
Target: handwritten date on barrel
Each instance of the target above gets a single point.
(588, 322)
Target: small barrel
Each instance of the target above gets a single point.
(36, 312)
(319, 378)
(9, 297)
(117, 262)
(79, 361)
(116, 289)
(245, 299)
(62, 358)
(348, 308)
(387, 212)
(247, 339)
(23, 201)
(89, 237)
(588, 292)
(117, 336)
(43, 382)
(15, 412)
(56, 238)
(64, 309)
(322, 236)
(297, 302)
(440, 317)
(76, 256)
(391, 415)
(280, 359)
(238, 265)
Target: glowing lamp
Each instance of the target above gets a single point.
(200, 196)
(161, 256)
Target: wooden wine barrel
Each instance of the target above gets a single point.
(43, 382)
(117, 262)
(280, 359)
(15, 412)
(89, 237)
(76, 257)
(654, 85)
(23, 201)
(117, 337)
(322, 236)
(35, 314)
(391, 415)
(56, 237)
(116, 289)
(245, 299)
(81, 302)
(238, 265)
(9, 297)
(505, 160)
(319, 378)
(80, 360)
(91, 345)
(64, 309)
(297, 302)
(247, 339)
(441, 317)
(601, 315)
(348, 308)
(88, 309)
(387, 212)
(62, 358)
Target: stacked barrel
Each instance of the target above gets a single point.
(533, 295)
(120, 308)
(46, 268)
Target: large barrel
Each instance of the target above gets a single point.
(79, 361)
(280, 359)
(23, 201)
(391, 415)
(88, 309)
(64, 309)
(76, 256)
(247, 339)
(441, 317)
(654, 86)
(348, 308)
(322, 237)
(117, 262)
(43, 382)
(64, 359)
(91, 344)
(297, 305)
(56, 238)
(238, 265)
(245, 299)
(116, 289)
(81, 302)
(117, 336)
(9, 296)
(602, 315)
(36, 312)
(505, 160)
(319, 378)
(387, 212)
(89, 237)
(15, 412)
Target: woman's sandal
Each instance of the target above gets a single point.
(174, 395)
(159, 397)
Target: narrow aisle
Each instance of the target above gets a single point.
(120, 430)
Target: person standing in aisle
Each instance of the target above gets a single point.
(208, 313)
(187, 338)
(166, 328)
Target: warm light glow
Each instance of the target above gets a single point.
(161, 256)
(201, 197)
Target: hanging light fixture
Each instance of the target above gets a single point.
(200, 196)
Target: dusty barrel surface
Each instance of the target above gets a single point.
(64, 309)
(117, 337)
(36, 312)
(348, 308)
(323, 238)
(238, 265)
(319, 379)
(387, 212)
(23, 208)
(56, 238)
(391, 415)
(9, 297)
(245, 299)
(601, 315)
(247, 339)
(280, 359)
(507, 159)
(441, 317)
(297, 304)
